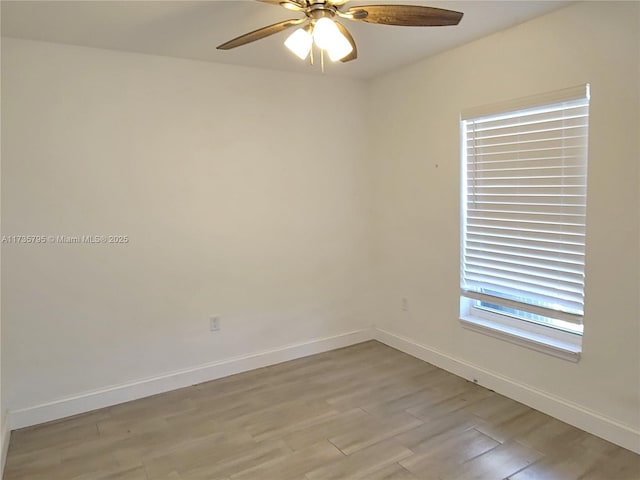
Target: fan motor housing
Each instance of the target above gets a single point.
(320, 10)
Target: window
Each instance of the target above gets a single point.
(524, 191)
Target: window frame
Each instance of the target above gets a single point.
(550, 339)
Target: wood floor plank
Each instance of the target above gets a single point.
(362, 463)
(186, 456)
(620, 464)
(243, 459)
(461, 398)
(395, 471)
(342, 422)
(442, 452)
(499, 462)
(57, 427)
(330, 427)
(497, 409)
(376, 430)
(455, 422)
(382, 391)
(398, 404)
(68, 469)
(135, 473)
(295, 465)
(576, 461)
(551, 437)
(44, 436)
(365, 411)
(32, 460)
(515, 427)
(295, 418)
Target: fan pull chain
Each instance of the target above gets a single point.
(322, 60)
(311, 55)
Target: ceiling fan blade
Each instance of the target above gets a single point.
(354, 53)
(407, 15)
(292, 4)
(260, 34)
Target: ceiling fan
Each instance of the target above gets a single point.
(319, 25)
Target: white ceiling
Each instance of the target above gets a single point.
(193, 29)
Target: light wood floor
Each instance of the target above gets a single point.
(366, 411)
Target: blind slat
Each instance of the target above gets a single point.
(506, 162)
(535, 122)
(526, 227)
(556, 129)
(535, 248)
(545, 275)
(519, 139)
(518, 260)
(538, 239)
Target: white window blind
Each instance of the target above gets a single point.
(524, 205)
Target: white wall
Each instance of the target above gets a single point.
(241, 190)
(414, 126)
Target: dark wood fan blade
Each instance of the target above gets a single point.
(260, 34)
(296, 3)
(407, 15)
(354, 53)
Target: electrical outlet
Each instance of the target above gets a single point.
(405, 304)
(214, 324)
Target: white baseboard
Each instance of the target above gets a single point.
(105, 397)
(562, 409)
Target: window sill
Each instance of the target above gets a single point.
(518, 336)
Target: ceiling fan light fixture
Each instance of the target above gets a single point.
(325, 33)
(340, 48)
(327, 36)
(299, 42)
